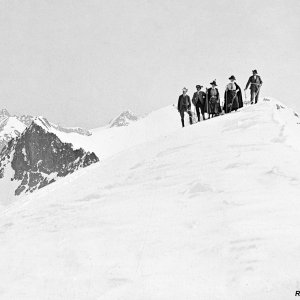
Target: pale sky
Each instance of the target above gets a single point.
(82, 62)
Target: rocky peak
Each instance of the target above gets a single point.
(4, 114)
(124, 119)
(38, 157)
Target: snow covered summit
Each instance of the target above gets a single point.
(10, 127)
(4, 114)
(124, 119)
(210, 211)
(27, 119)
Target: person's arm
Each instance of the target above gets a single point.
(238, 89)
(194, 99)
(178, 103)
(189, 102)
(260, 81)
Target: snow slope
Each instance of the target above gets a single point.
(210, 211)
(106, 142)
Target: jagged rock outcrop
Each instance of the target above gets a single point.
(38, 157)
(124, 119)
(4, 114)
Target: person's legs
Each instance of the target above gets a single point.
(202, 111)
(198, 111)
(256, 97)
(252, 96)
(190, 116)
(235, 103)
(182, 117)
(211, 109)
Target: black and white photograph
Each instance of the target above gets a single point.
(149, 149)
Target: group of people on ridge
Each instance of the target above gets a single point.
(209, 101)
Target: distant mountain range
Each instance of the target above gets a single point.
(36, 152)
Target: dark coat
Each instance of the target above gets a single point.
(228, 97)
(199, 100)
(212, 106)
(184, 103)
(254, 83)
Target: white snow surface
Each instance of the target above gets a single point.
(106, 142)
(210, 211)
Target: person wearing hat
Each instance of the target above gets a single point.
(233, 99)
(198, 100)
(184, 105)
(213, 107)
(255, 83)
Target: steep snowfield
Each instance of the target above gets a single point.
(210, 211)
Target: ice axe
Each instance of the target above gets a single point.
(246, 97)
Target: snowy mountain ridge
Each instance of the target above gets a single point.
(10, 128)
(27, 119)
(124, 119)
(13, 126)
(209, 211)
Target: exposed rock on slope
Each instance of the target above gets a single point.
(39, 157)
(124, 119)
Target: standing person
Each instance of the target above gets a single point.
(198, 100)
(213, 98)
(233, 99)
(184, 105)
(255, 83)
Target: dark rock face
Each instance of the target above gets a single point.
(38, 157)
(13, 126)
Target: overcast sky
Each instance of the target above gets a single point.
(82, 62)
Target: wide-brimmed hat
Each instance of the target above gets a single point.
(199, 86)
(184, 89)
(214, 83)
(231, 77)
(254, 71)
